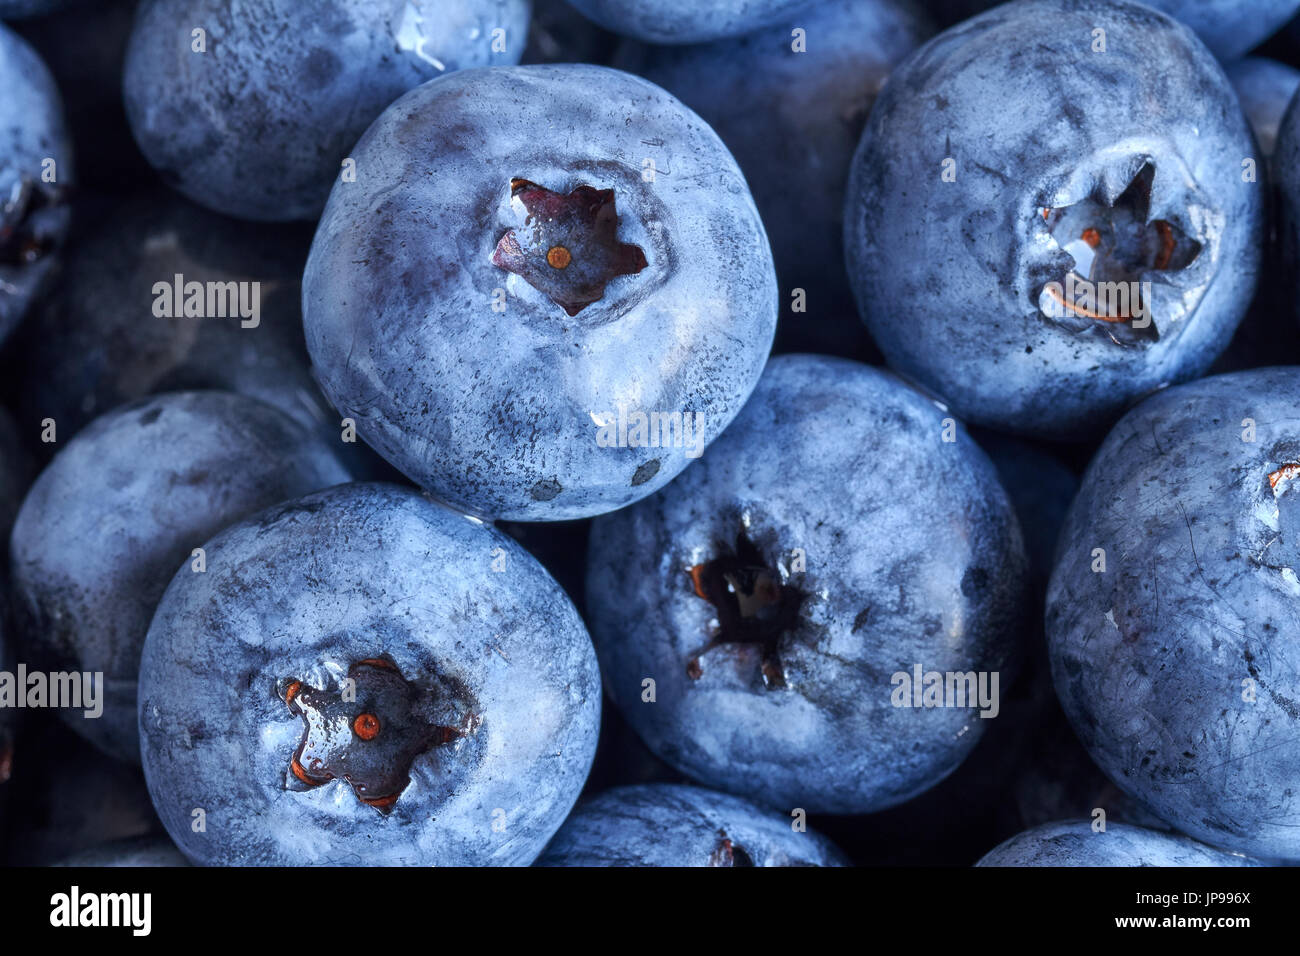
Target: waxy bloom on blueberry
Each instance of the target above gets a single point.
(364, 676)
(536, 257)
(1174, 606)
(1055, 208)
(751, 618)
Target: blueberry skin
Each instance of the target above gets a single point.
(258, 130)
(34, 216)
(665, 824)
(142, 851)
(1197, 606)
(686, 21)
(1073, 843)
(358, 572)
(792, 120)
(497, 412)
(816, 461)
(18, 9)
(1230, 27)
(1265, 88)
(151, 481)
(948, 275)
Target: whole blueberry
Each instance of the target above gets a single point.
(1172, 611)
(35, 172)
(665, 824)
(550, 291)
(1075, 843)
(158, 294)
(686, 21)
(758, 619)
(790, 101)
(364, 676)
(257, 127)
(1265, 88)
(1054, 209)
(124, 505)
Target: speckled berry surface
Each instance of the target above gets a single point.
(495, 675)
(1075, 843)
(1177, 663)
(798, 507)
(35, 173)
(686, 21)
(676, 825)
(956, 227)
(258, 123)
(152, 481)
(476, 192)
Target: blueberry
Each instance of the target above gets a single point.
(767, 599)
(1265, 88)
(124, 505)
(18, 9)
(535, 257)
(790, 101)
(376, 680)
(686, 21)
(100, 339)
(1230, 27)
(1042, 232)
(674, 825)
(1174, 603)
(1074, 843)
(257, 128)
(68, 796)
(140, 851)
(35, 172)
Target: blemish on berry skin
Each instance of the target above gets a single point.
(545, 490)
(645, 472)
(369, 738)
(1280, 479)
(566, 246)
(754, 605)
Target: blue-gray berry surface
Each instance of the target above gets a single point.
(366, 677)
(752, 619)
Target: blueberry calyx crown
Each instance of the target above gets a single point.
(729, 853)
(22, 242)
(754, 605)
(1112, 246)
(567, 247)
(368, 733)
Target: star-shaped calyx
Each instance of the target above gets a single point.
(23, 239)
(754, 606)
(367, 733)
(1113, 245)
(567, 246)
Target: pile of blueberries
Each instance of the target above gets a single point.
(649, 432)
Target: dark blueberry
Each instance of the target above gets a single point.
(751, 618)
(675, 825)
(140, 851)
(376, 680)
(257, 122)
(35, 177)
(1041, 231)
(548, 294)
(790, 101)
(1075, 843)
(1172, 612)
(121, 508)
